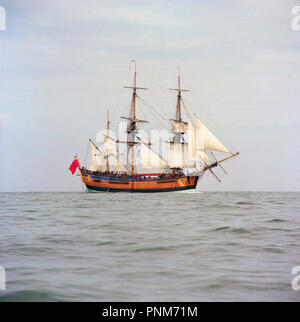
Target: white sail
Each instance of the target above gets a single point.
(192, 140)
(179, 156)
(210, 142)
(118, 166)
(201, 155)
(109, 146)
(179, 127)
(196, 147)
(97, 162)
(150, 159)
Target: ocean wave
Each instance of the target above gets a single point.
(29, 296)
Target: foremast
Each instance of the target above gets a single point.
(178, 148)
(179, 126)
(200, 139)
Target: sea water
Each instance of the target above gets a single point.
(188, 246)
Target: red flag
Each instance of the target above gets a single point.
(74, 165)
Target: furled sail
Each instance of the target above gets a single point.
(180, 156)
(196, 146)
(97, 162)
(118, 166)
(150, 159)
(109, 147)
(210, 142)
(179, 127)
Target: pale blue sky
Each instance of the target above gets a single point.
(62, 63)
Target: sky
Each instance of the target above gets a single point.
(63, 63)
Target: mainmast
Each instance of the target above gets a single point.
(132, 128)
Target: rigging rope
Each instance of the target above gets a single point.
(186, 110)
(85, 160)
(152, 109)
(211, 119)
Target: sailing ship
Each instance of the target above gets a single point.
(188, 149)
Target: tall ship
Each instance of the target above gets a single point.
(189, 154)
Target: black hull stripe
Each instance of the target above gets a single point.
(139, 190)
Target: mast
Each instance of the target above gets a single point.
(133, 119)
(134, 92)
(178, 118)
(108, 122)
(178, 114)
(132, 128)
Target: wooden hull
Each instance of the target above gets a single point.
(104, 183)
